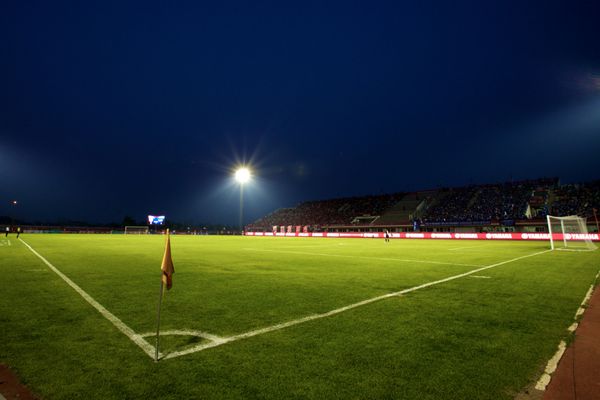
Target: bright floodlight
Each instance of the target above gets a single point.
(242, 175)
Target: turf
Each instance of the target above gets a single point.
(476, 338)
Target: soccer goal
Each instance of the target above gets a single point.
(136, 230)
(569, 233)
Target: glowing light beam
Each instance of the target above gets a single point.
(243, 175)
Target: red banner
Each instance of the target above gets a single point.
(439, 235)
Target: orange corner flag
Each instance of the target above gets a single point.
(167, 265)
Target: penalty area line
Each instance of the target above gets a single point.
(120, 325)
(224, 340)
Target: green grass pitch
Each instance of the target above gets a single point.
(486, 335)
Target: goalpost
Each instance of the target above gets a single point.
(574, 233)
(136, 230)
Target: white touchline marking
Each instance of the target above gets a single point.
(127, 331)
(480, 276)
(337, 310)
(361, 257)
(551, 367)
(587, 298)
(544, 380)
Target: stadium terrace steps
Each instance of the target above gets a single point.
(404, 211)
(508, 201)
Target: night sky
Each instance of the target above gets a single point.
(123, 108)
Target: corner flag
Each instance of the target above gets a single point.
(167, 265)
(166, 280)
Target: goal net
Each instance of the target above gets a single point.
(136, 230)
(569, 233)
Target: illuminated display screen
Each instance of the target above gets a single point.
(156, 219)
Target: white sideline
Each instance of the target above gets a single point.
(544, 380)
(361, 257)
(127, 331)
(272, 328)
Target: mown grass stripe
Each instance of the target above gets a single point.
(284, 325)
(362, 257)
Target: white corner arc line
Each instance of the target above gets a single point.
(337, 310)
(185, 332)
(120, 325)
(361, 257)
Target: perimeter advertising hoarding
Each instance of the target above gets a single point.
(441, 235)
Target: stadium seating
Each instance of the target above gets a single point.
(577, 199)
(344, 211)
(502, 203)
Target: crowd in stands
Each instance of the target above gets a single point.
(329, 212)
(538, 203)
(485, 203)
(576, 199)
(504, 202)
(452, 206)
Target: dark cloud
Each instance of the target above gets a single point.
(131, 108)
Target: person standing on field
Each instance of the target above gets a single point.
(18, 231)
(7, 230)
(387, 236)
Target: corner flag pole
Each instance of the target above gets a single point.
(166, 280)
(160, 296)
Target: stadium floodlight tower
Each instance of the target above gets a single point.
(14, 203)
(242, 175)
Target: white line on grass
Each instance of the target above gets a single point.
(306, 253)
(186, 332)
(323, 244)
(272, 328)
(127, 331)
(544, 380)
